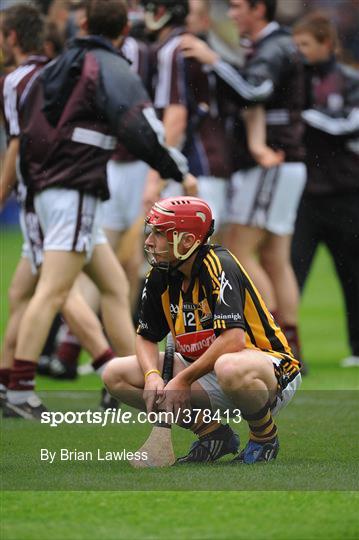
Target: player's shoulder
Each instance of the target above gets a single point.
(219, 258)
(156, 279)
(349, 73)
(222, 252)
(281, 36)
(117, 79)
(13, 85)
(24, 71)
(170, 49)
(278, 44)
(111, 59)
(131, 43)
(12, 79)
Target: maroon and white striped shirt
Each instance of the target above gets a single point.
(177, 81)
(13, 90)
(136, 52)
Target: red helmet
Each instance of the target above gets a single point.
(178, 215)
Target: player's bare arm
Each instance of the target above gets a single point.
(177, 391)
(152, 190)
(174, 123)
(8, 175)
(255, 121)
(193, 47)
(190, 185)
(148, 357)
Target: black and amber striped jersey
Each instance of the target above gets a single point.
(220, 296)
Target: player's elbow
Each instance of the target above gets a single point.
(233, 340)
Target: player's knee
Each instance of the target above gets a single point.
(270, 261)
(227, 369)
(16, 297)
(54, 298)
(111, 376)
(119, 291)
(233, 373)
(274, 261)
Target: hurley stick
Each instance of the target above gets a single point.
(158, 446)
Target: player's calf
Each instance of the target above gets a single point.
(248, 378)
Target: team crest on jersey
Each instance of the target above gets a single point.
(204, 311)
(224, 284)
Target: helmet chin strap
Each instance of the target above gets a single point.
(196, 246)
(172, 268)
(176, 241)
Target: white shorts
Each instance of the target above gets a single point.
(267, 198)
(219, 400)
(211, 189)
(126, 182)
(70, 220)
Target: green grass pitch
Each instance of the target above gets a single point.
(309, 492)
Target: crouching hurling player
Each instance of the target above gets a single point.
(230, 353)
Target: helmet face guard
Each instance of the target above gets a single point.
(175, 217)
(154, 25)
(151, 255)
(176, 12)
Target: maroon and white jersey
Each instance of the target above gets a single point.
(83, 102)
(13, 91)
(177, 81)
(272, 76)
(136, 52)
(332, 128)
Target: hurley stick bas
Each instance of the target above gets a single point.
(158, 446)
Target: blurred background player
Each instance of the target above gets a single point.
(68, 192)
(121, 219)
(264, 201)
(186, 98)
(126, 179)
(329, 210)
(22, 34)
